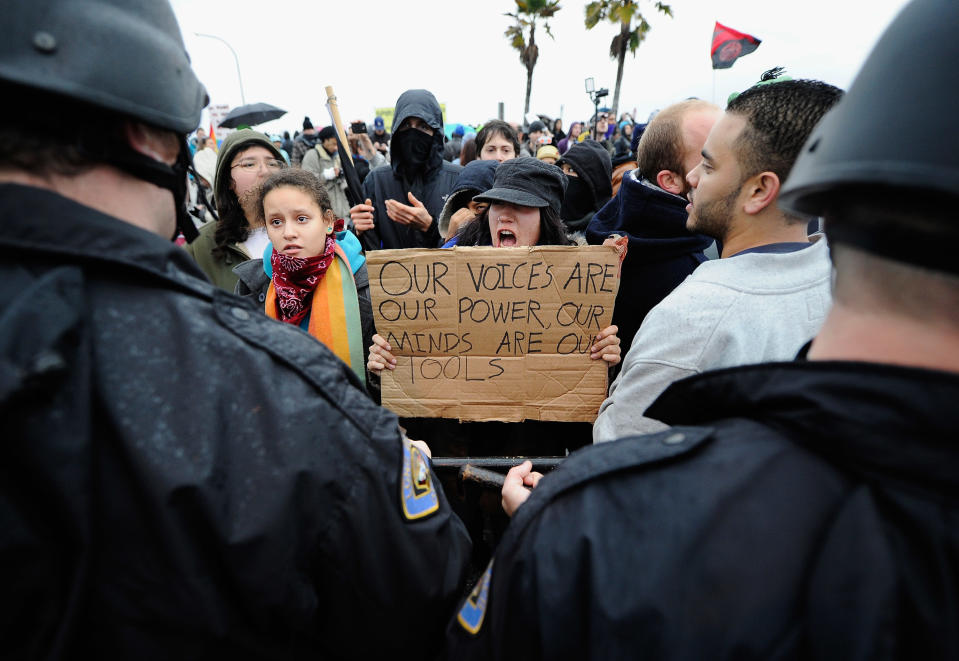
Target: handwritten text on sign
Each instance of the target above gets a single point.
(494, 333)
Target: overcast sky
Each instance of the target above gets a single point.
(371, 51)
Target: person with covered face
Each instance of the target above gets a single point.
(588, 167)
(403, 200)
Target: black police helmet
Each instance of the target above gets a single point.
(59, 46)
(896, 128)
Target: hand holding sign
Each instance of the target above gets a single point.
(607, 346)
(380, 357)
(494, 333)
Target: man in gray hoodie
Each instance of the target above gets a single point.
(769, 293)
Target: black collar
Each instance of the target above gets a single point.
(885, 421)
(39, 221)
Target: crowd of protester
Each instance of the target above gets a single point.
(196, 464)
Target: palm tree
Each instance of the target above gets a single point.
(632, 31)
(526, 14)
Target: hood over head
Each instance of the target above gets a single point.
(235, 142)
(476, 177)
(592, 163)
(422, 104)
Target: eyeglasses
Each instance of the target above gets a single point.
(252, 165)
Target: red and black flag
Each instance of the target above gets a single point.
(730, 45)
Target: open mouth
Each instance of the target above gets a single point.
(506, 238)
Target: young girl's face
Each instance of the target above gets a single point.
(295, 223)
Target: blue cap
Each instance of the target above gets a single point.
(378, 123)
(459, 130)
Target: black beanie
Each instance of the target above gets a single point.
(307, 124)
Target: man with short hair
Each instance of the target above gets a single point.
(199, 141)
(536, 130)
(404, 199)
(304, 142)
(769, 293)
(650, 209)
(182, 477)
(455, 145)
(809, 512)
(380, 136)
(324, 161)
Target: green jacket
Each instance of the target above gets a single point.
(218, 269)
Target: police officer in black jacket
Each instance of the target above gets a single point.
(795, 510)
(180, 477)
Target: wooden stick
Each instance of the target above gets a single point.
(337, 122)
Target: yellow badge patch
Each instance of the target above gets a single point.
(417, 493)
(473, 611)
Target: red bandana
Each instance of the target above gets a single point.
(295, 278)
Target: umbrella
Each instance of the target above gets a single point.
(251, 115)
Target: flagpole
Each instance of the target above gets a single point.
(714, 86)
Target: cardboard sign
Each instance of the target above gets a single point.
(494, 333)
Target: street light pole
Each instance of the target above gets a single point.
(595, 95)
(235, 59)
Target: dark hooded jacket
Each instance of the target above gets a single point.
(476, 178)
(662, 252)
(392, 181)
(810, 515)
(591, 162)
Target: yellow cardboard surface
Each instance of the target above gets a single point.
(494, 333)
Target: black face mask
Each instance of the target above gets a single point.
(578, 201)
(413, 149)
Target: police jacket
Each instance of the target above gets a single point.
(183, 477)
(808, 512)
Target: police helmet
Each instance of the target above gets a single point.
(125, 56)
(897, 126)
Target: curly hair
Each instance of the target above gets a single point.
(302, 180)
(551, 230)
(779, 116)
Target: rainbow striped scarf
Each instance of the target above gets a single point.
(334, 317)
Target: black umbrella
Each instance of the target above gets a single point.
(251, 115)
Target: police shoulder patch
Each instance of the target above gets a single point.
(417, 492)
(473, 611)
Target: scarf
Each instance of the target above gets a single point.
(295, 279)
(334, 309)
